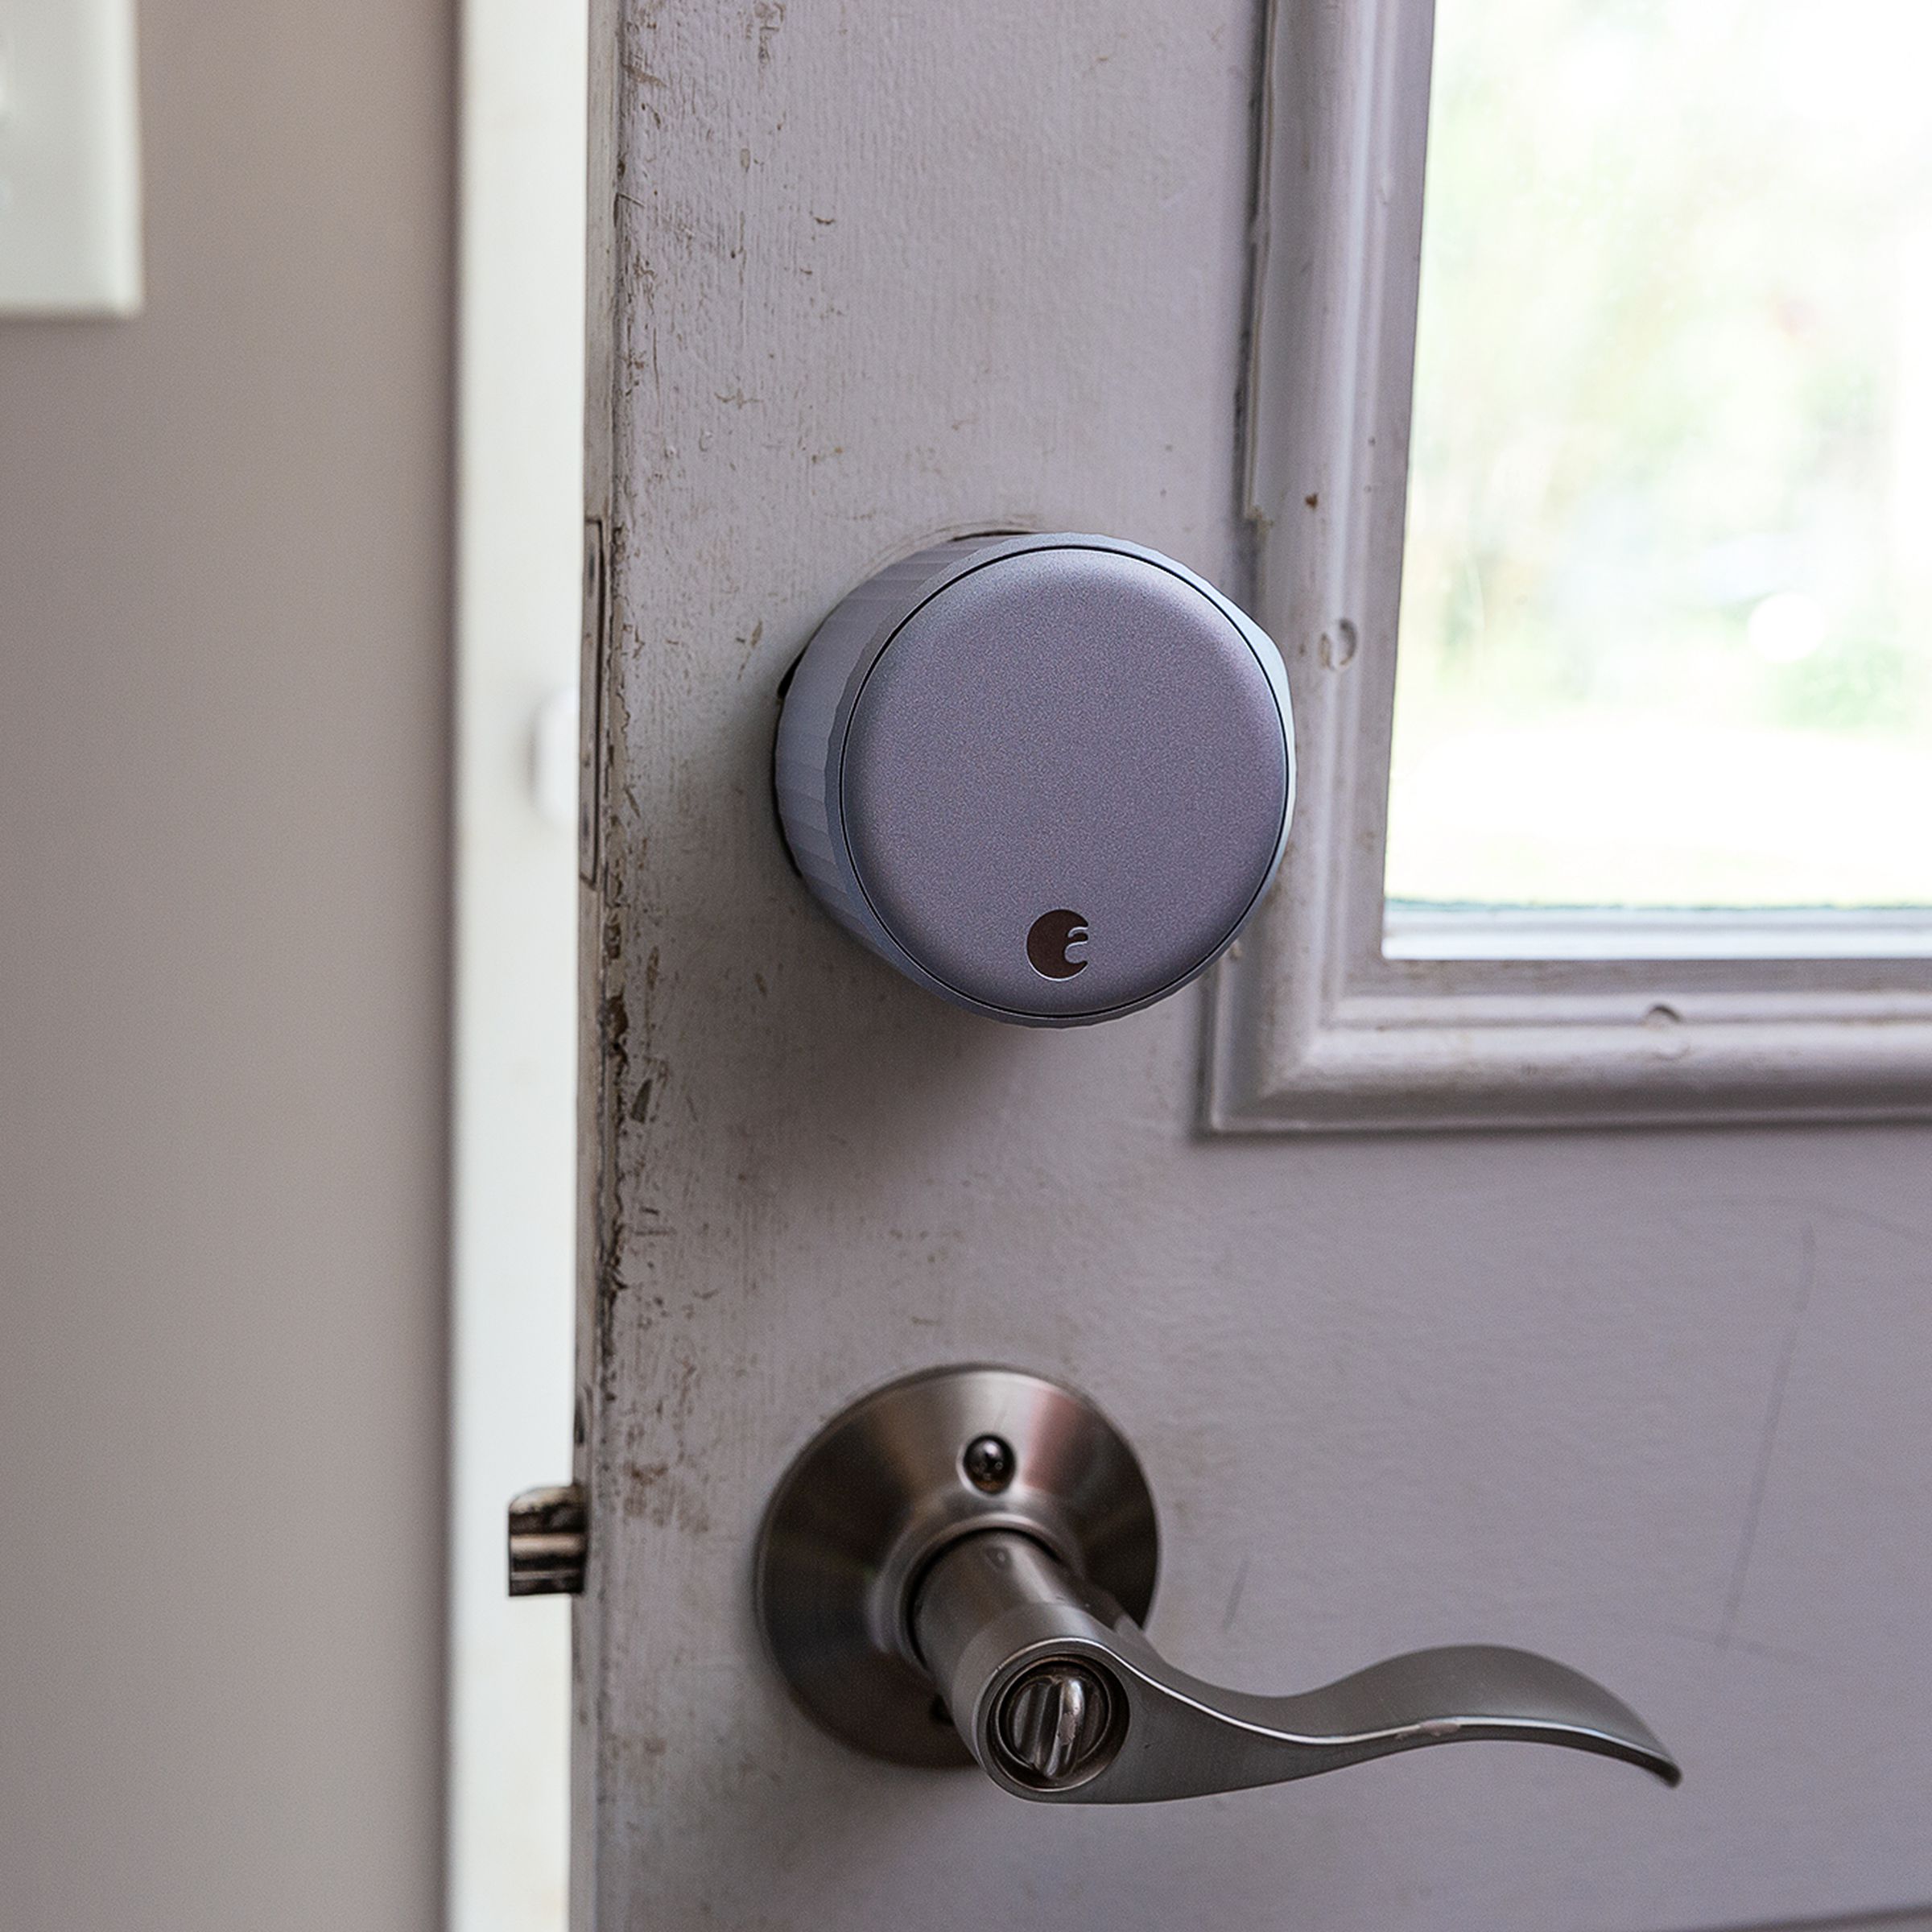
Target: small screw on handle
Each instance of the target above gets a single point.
(988, 1462)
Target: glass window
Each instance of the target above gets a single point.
(1667, 623)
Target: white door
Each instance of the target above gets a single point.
(1651, 1402)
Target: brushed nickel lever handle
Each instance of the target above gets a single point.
(989, 1535)
(1060, 1697)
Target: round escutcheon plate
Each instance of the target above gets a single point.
(897, 1478)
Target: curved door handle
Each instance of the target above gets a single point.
(988, 1534)
(1060, 1697)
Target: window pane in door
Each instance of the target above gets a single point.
(1666, 620)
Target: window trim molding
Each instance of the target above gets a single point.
(1312, 1028)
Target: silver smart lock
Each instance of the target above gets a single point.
(1047, 778)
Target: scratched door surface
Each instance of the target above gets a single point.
(1654, 1403)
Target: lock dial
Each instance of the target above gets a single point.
(1048, 777)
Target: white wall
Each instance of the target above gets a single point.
(223, 833)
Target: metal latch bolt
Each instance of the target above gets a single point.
(549, 1541)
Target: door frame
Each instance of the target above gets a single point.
(520, 326)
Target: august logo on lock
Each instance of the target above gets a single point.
(1056, 944)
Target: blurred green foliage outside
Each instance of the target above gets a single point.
(1667, 621)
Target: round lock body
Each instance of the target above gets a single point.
(1047, 778)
